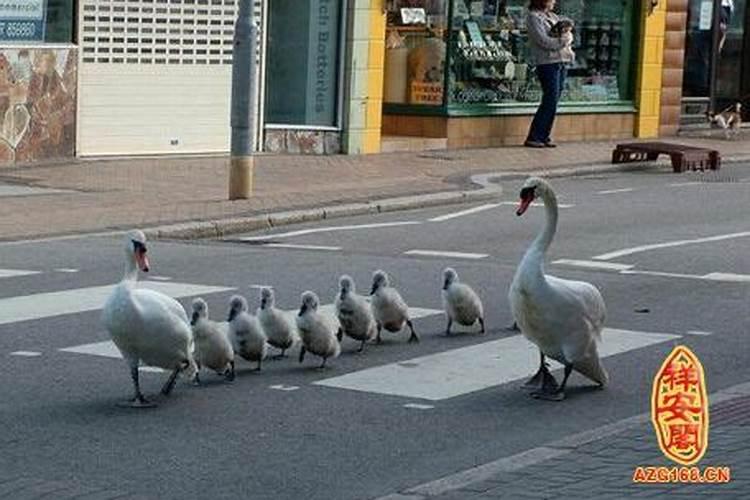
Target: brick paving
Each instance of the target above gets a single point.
(124, 192)
(603, 469)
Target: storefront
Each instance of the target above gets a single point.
(460, 70)
(38, 79)
(714, 69)
(303, 77)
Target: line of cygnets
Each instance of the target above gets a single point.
(248, 336)
(152, 328)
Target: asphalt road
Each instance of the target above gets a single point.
(278, 434)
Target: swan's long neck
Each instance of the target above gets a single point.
(131, 270)
(534, 257)
(545, 236)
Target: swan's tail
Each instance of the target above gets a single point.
(592, 368)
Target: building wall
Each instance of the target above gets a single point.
(650, 62)
(493, 131)
(363, 109)
(674, 57)
(37, 104)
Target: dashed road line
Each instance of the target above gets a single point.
(417, 406)
(699, 333)
(26, 354)
(14, 273)
(469, 211)
(282, 387)
(442, 253)
(615, 191)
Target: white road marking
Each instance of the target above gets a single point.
(741, 278)
(13, 273)
(282, 387)
(700, 333)
(330, 229)
(722, 277)
(592, 264)
(26, 354)
(662, 274)
(70, 270)
(669, 244)
(417, 406)
(468, 211)
(106, 349)
(45, 305)
(536, 204)
(461, 371)
(453, 255)
(150, 369)
(302, 247)
(613, 191)
(159, 278)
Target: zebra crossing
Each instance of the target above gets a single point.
(435, 377)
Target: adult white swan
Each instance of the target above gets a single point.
(145, 325)
(563, 318)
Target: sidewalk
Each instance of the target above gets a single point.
(601, 464)
(109, 194)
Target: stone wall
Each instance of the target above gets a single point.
(37, 104)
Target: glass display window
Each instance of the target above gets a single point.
(415, 52)
(489, 52)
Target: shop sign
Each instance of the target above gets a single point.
(322, 81)
(22, 20)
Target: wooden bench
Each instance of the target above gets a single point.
(683, 157)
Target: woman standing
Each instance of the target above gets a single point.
(550, 54)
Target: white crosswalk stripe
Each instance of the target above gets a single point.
(77, 300)
(461, 371)
(12, 273)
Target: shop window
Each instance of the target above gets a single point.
(303, 70)
(49, 21)
(490, 61)
(415, 52)
(473, 56)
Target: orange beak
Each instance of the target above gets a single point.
(142, 260)
(523, 205)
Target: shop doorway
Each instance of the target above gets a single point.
(715, 72)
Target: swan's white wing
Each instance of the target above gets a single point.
(584, 299)
(165, 301)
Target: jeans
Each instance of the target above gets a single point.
(552, 79)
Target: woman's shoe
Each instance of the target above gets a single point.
(533, 144)
(550, 144)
